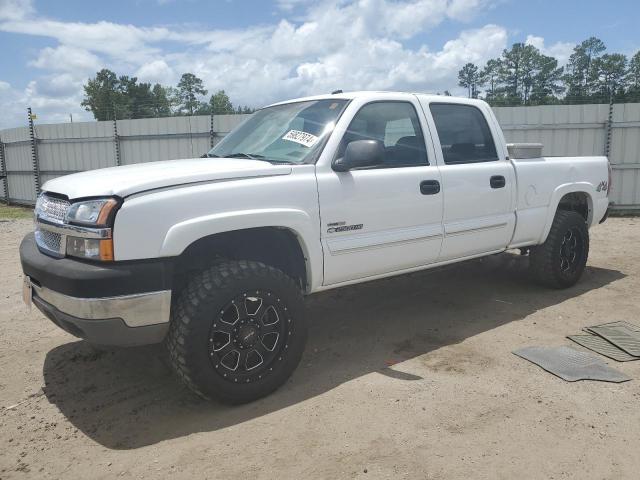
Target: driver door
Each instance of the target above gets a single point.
(386, 218)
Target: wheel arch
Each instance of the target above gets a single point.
(576, 197)
(274, 237)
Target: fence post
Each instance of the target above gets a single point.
(607, 146)
(34, 153)
(211, 132)
(116, 137)
(3, 173)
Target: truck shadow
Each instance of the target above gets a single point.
(127, 398)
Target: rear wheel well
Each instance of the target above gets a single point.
(275, 246)
(577, 202)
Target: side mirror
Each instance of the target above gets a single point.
(359, 154)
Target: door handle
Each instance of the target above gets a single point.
(429, 187)
(497, 181)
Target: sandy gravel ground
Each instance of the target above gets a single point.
(411, 377)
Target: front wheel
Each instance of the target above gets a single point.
(561, 259)
(237, 331)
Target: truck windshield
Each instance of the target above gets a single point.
(288, 133)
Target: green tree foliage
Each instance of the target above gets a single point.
(525, 76)
(515, 64)
(161, 101)
(138, 99)
(102, 95)
(581, 71)
(190, 89)
(108, 96)
(633, 77)
(634, 71)
(220, 103)
(470, 78)
(490, 76)
(610, 72)
(545, 80)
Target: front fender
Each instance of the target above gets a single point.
(183, 234)
(556, 196)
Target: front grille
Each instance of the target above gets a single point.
(52, 209)
(49, 241)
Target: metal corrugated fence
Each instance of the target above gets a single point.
(567, 130)
(66, 148)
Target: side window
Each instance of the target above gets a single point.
(396, 126)
(464, 134)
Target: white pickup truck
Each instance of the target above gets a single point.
(214, 255)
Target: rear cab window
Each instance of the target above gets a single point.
(465, 136)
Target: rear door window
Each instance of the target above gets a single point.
(464, 134)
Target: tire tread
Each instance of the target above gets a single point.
(542, 257)
(199, 289)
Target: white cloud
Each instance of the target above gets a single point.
(59, 85)
(156, 71)
(67, 58)
(288, 5)
(50, 98)
(560, 50)
(465, 10)
(15, 9)
(359, 44)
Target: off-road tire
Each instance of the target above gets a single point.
(547, 264)
(200, 304)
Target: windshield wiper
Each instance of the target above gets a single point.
(283, 162)
(257, 156)
(252, 156)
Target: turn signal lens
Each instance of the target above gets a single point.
(90, 248)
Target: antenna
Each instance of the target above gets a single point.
(336, 91)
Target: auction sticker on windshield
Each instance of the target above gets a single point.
(303, 138)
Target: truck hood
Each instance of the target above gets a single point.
(130, 179)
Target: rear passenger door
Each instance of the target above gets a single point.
(477, 179)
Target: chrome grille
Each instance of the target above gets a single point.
(52, 209)
(49, 241)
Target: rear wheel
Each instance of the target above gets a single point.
(237, 331)
(561, 259)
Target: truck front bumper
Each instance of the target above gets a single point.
(121, 303)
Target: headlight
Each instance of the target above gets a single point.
(91, 212)
(93, 243)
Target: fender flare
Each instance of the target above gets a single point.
(298, 222)
(562, 190)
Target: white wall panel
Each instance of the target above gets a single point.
(69, 147)
(582, 130)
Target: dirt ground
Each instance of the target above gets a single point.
(410, 377)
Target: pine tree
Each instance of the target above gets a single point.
(469, 77)
(190, 88)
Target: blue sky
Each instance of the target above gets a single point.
(263, 51)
